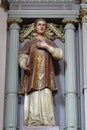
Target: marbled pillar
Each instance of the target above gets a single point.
(12, 76)
(84, 34)
(70, 75)
(3, 41)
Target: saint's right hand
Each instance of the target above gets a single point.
(25, 68)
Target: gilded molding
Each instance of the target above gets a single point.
(52, 32)
(10, 21)
(85, 1)
(72, 21)
(83, 15)
(84, 18)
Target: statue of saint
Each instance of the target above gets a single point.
(38, 83)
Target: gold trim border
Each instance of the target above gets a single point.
(17, 20)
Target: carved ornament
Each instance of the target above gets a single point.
(10, 21)
(84, 18)
(85, 1)
(52, 32)
(72, 21)
(83, 15)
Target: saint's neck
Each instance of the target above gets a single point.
(40, 36)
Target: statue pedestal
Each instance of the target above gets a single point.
(41, 128)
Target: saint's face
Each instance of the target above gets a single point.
(40, 27)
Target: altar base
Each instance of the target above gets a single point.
(41, 128)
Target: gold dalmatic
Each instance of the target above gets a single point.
(39, 108)
(39, 70)
(38, 104)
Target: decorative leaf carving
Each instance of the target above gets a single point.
(53, 32)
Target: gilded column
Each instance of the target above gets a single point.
(12, 76)
(70, 75)
(84, 37)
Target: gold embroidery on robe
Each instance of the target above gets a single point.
(39, 70)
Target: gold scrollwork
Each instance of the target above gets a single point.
(84, 18)
(83, 15)
(52, 32)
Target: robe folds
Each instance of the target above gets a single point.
(38, 84)
(41, 73)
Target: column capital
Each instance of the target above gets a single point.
(70, 20)
(12, 20)
(85, 1)
(83, 15)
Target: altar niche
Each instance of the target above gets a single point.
(55, 33)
